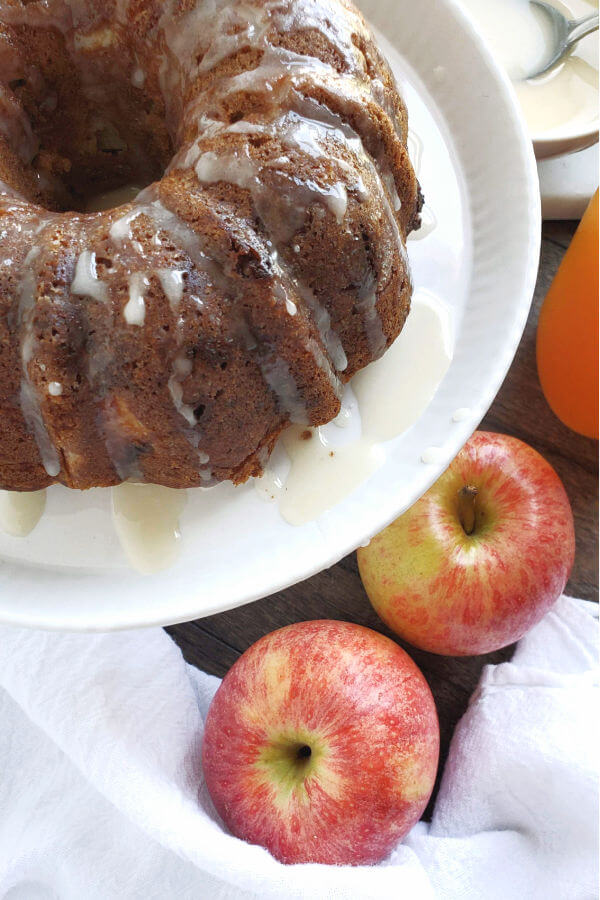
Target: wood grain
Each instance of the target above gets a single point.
(214, 643)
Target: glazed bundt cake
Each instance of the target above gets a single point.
(171, 339)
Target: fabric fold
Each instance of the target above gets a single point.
(102, 793)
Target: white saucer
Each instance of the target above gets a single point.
(567, 183)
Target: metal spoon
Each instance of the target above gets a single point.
(566, 33)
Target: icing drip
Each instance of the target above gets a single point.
(138, 78)
(367, 302)
(240, 169)
(134, 311)
(182, 367)
(324, 466)
(86, 282)
(210, 32)
(173, 284)
(120, 230)
(322, 320)
(21, 511)
(317, 131)
(279, 378)
(165, 220)
(244, 172)
(29, 400)
(275, 372)
(223, 45)
(415, 150)
(171, 281)
(146, 519)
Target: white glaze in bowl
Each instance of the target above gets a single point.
(561, 106)
(479, 176)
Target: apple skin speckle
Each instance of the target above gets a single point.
(461, 594)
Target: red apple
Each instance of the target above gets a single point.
(481, 557)
(321, 744)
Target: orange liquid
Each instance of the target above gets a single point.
(567, 337)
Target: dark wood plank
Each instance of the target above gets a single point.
(519, 409)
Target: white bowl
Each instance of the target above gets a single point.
(581, 131)
(550, 144)
(478, 173)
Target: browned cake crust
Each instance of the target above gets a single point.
(172, 339)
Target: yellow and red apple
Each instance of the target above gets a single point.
(481, 557)
(322, 744)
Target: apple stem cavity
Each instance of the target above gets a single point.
(467, 499)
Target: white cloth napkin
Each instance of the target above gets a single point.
(101, 790)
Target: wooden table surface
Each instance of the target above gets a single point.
(214, 643)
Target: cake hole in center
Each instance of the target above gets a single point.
(95, 137)
(111, 199)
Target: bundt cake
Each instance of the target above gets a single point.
(171, 339)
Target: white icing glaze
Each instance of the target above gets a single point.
(138, 78)
(172, 283)
(146, 519)
(344, 417)
(393, 391)
(21, 511)
(28, 396)
(86, 282)
(367, 303)
(322, 320)
(276, 373)
(390, 395)
(415, 150)
(55, 388)
(321, 475)
(312, 129)
(182, 367)
(245, 172)
(134, 311)
(120, 230)
(428, 223)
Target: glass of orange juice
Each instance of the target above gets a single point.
(567, 337)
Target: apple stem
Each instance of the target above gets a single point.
(467, 497)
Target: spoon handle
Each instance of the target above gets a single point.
(580, 27)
